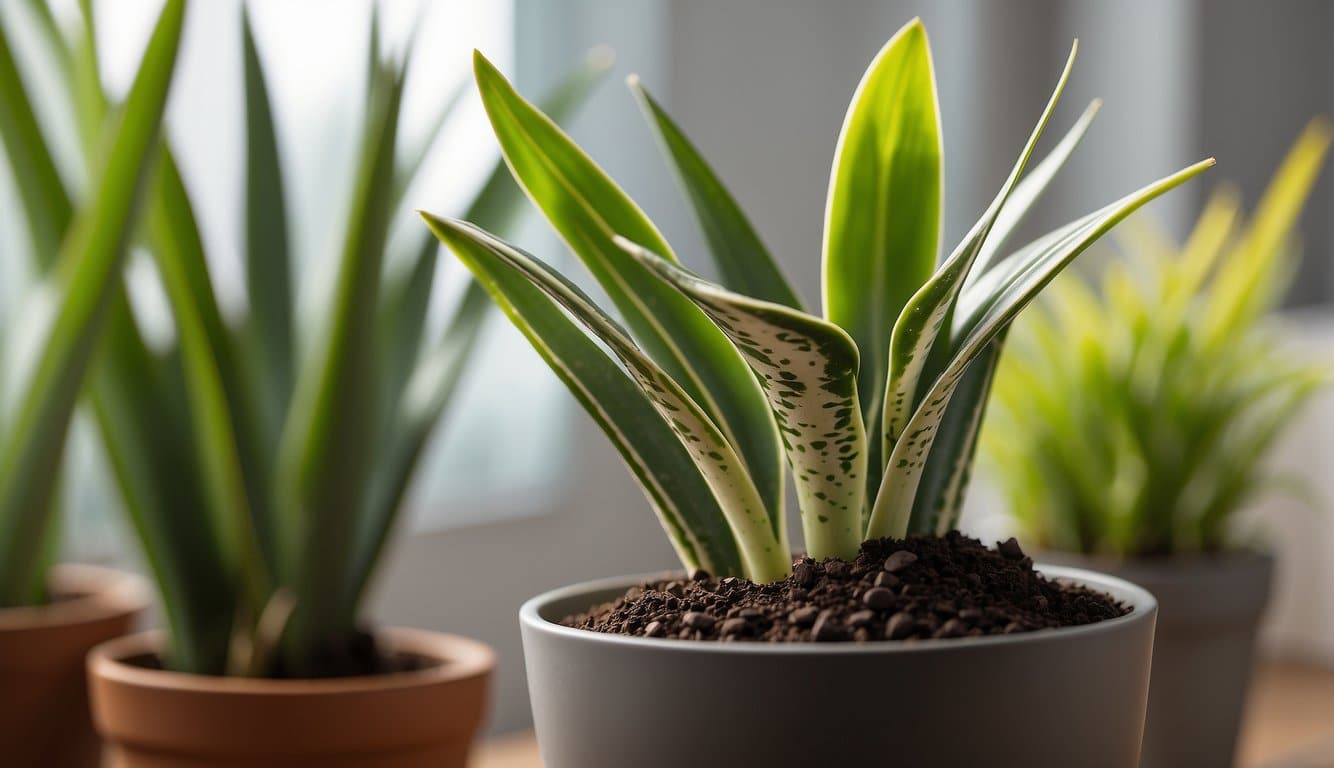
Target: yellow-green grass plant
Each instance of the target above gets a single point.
(263, 468)
(1136, 407)
(53, 335)
(874, 405)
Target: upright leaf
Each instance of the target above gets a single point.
(88, 269)
(219, 407)
(588, 210)
(267, 254)
(322, 461)
(915, 351)
(1029, 189)
(407, 293)
(46, 203)
(742, 259)
(1040, 263)
(1252, 276)
(808, 369)
(437, 369)
(883, 217)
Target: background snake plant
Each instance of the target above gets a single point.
(51, 339)
(875, 404)
(262, 467)
(1135, 410)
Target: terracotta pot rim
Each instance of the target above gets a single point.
(1143, 607)
(100, 594)
(460, 658)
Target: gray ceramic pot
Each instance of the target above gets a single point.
(1210, 607)
(1062, 697)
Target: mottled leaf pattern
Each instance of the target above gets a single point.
(808, 370)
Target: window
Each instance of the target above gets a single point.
(499, 441)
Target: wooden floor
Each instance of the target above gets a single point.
(1289, 724)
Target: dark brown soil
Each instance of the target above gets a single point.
(356, 656)
(909, 589)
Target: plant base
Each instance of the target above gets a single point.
(917, 588)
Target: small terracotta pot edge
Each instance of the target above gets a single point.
(102, 594)
(468, 658)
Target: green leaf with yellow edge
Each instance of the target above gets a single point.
(763, 556)
(991, 314)
(883, 216)
(807, 367)
(683, 501)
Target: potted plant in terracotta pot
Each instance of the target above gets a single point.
(263, 464)
(1134, 417)
(51, 616)
(893, 639)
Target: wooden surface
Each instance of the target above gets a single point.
(1289, 724)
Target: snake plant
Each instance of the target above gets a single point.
(1136, 409)
(875, 404)
(80, 246)
(263, 464)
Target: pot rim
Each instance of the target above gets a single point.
(1143, 607)
(100, 593)
(460, 658)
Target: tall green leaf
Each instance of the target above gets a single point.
(323, 472)
(883, 217)
(267, 251)
(219, 407)
(46, 204)
(588, 209)
(88, 268)
(808, 369)
(438, 368)
(742, 259)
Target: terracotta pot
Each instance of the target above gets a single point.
(43, 699)
(1209, 612)
(1055, 697)
(156, 719)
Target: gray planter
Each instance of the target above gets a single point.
(1062, 697)
(1210, 607)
